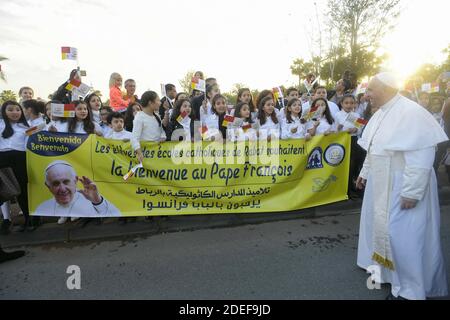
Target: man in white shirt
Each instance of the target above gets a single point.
(61, 180)
(400, 218)
(320, 92)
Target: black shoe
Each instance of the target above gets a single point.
(392, 297)
(23, 227)
(36, 221)
(4, 229)
(6, 256)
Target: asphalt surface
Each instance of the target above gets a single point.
(293, 259)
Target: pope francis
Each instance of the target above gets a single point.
(61, 180)
(400, 217)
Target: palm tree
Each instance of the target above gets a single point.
(7, 95)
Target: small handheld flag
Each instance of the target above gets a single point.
(247, 126)
(362, 88)
(63, 110)
(198, 84)
(357, 122)
(69, 53)
(132, 171)
(204, 131)
(35, 129)
(80, 92)
(227, 120)
(181, 117)
(278, 95)
(430, 87)
(313, 113)
(73, 83)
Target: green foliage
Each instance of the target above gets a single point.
(355, 29)
(185, 83)
(428, 72)
(7, 95)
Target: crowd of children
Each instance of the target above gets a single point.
(295, 115)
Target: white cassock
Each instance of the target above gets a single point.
(78, 207)
(401, 139)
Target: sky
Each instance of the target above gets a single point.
(252, 42)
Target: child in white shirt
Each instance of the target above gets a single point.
(147, 125)
(116, 122)
(82, 123)
(269, 125)
(215, 130)
(324, 122)
(346, 117)
(242, 130)
(292, 127)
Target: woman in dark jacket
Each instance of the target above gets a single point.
(183, 119)
(63, 95)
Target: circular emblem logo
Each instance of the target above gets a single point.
(334, 154)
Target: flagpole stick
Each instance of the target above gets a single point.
(415, 91)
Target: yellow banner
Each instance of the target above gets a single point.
(83, 175)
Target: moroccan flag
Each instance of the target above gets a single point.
(63, 110)
(182, 116)
(69, 53)
(227, 120)
(198, 84)
(73, 83)
(35, 129)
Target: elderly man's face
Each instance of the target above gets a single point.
(61, 184)
(376, 93)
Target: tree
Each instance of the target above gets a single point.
(2, 73)
(231, 97)
(185, 83)
(301, 68)
(428, 72)
(354, 28)
(98, 93)
(7, 95)
(363, 24)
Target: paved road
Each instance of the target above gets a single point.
(296, 259)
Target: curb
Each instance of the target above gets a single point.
(76, 234)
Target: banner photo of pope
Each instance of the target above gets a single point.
(61, 180)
